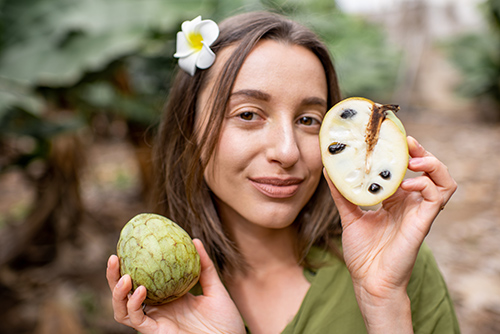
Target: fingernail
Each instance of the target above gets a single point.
(415, 162)
(408, 182)
(416, 142)
(120, 282)
(137, 290)
(109, 261)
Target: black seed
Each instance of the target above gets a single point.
(336, 148)
(385, 174)
(374, 188)
(348, 113)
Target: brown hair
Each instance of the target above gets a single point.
(182, 194)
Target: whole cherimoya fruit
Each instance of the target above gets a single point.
(364, 150)
(158, 254)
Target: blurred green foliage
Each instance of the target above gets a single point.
(366, 62)
(67, 65)
(64, 61)
(477, 55)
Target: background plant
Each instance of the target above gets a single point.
(477, 56)
(70, 72)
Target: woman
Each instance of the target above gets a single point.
(239, 168)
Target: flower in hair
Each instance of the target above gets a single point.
(193, 44)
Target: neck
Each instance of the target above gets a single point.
(264, 249)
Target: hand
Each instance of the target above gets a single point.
(380, 247)
(212, 312)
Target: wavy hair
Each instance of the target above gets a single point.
(180, 157)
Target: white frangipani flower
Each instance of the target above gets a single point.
(193, 44)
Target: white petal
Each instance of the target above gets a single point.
(209, 31)
(188, 64)
(205, 57)
(183, 47)
(191, 57)
(189, 26)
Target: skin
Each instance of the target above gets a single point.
(213, 312)
(264, 158)
(380, 247)
(268, 158)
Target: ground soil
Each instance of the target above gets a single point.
(465, 236)
(465, 135)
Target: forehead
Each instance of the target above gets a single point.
(275, 64)
(270, 65)
(266, 52)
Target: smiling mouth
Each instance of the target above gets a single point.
(277, 188)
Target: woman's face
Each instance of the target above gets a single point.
(267, 163)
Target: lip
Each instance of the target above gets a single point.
(277, 187)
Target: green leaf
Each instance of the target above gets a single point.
(20, 99)
(55, 42)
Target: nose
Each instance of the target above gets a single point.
(282, 145)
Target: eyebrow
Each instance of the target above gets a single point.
(314, 101)
(256, 94)
(259, 95)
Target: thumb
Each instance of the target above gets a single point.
(347, 210)
(209, 279)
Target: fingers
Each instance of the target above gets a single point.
(120, 298)
(209, 279)
(347, 210)
(425, 186)
(415, 149)
(134, 308)
(127, 307)
(113, 271)
(437, 172)
(423, 161)
(120, 287)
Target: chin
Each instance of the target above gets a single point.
(275, 217)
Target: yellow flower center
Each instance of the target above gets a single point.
(195, 40)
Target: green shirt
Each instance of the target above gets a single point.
(330, 305)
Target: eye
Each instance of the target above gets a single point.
(247, 115)
(309, 121)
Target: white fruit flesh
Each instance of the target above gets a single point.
(362, 175)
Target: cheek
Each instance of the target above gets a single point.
(312, 155)
(231, 155)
